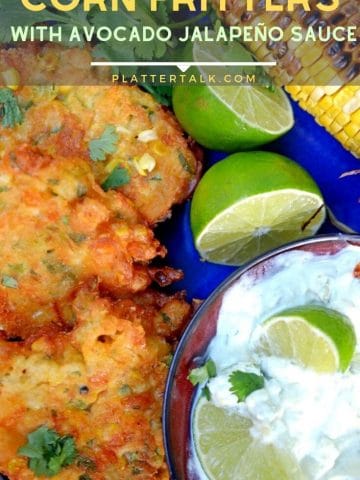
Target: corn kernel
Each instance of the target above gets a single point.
(11, 78)
(112, 164)
(342, 118)
(341, 136)
(159, 148)
(147, 136)
(351, 129)
(326, 102)
(355, 117)
(352, 105)
(122, 231)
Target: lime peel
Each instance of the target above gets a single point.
(314, 336)
(230, 117)
(226, 449)
(252, 202)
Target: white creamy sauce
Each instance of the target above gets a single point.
(316, 415)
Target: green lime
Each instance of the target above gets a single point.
(227, 451)
(230, 117)
(313, 336)
(250, 203)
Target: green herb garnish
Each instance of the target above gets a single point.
(244, 383)
(9, 108)
(81, 190)
(206, 393)
(85, 462)
(79, 405)
(48, 452)
(117, 178)
(102, 146)
(168, 359)
(185, 164)
(131, 456)
(165, 318)
(156, 178)
(9, 282)
(77, 237)
(161, 93)
(17, 267)
(125, 390)
(202, 374)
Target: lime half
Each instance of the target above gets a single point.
(250, 203)
(227, 451)
(313, 336)
(230, 117)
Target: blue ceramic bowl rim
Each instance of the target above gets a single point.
(323, 238)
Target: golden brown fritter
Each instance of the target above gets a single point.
(102, 384)
(151, 146)
(149, 143)
(38, 63)
(58, 228)
(76, 265)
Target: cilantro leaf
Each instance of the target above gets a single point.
(107, 143)
(202, 374)
(117, 178)
(161, 93)
(185, 164)
(48, 452)
(244, 383)
(85, 462)
(9, 282)
(9, 108)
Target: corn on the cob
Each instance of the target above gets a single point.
(306, 68)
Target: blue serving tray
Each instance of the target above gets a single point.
(312, 147)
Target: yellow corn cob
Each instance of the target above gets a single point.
(336, 107)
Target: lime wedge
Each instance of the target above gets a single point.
(312, 336)
(250, 203)
(227, 451)
(231, 117)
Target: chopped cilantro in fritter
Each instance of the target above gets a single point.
(9, 282)
(185, 164)
(9, 108)
(117, 178)
(48, 452)
(107, 143)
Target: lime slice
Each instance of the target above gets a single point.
(250, 203)
(231, 117)
(313, 336)
(227, 451)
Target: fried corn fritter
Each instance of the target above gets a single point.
(59, 226)
(38, 63)
(152, 148)
(100, 384)
(145, 140)
(58, 229)
(85, 340)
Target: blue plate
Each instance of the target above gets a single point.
(313, 148)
